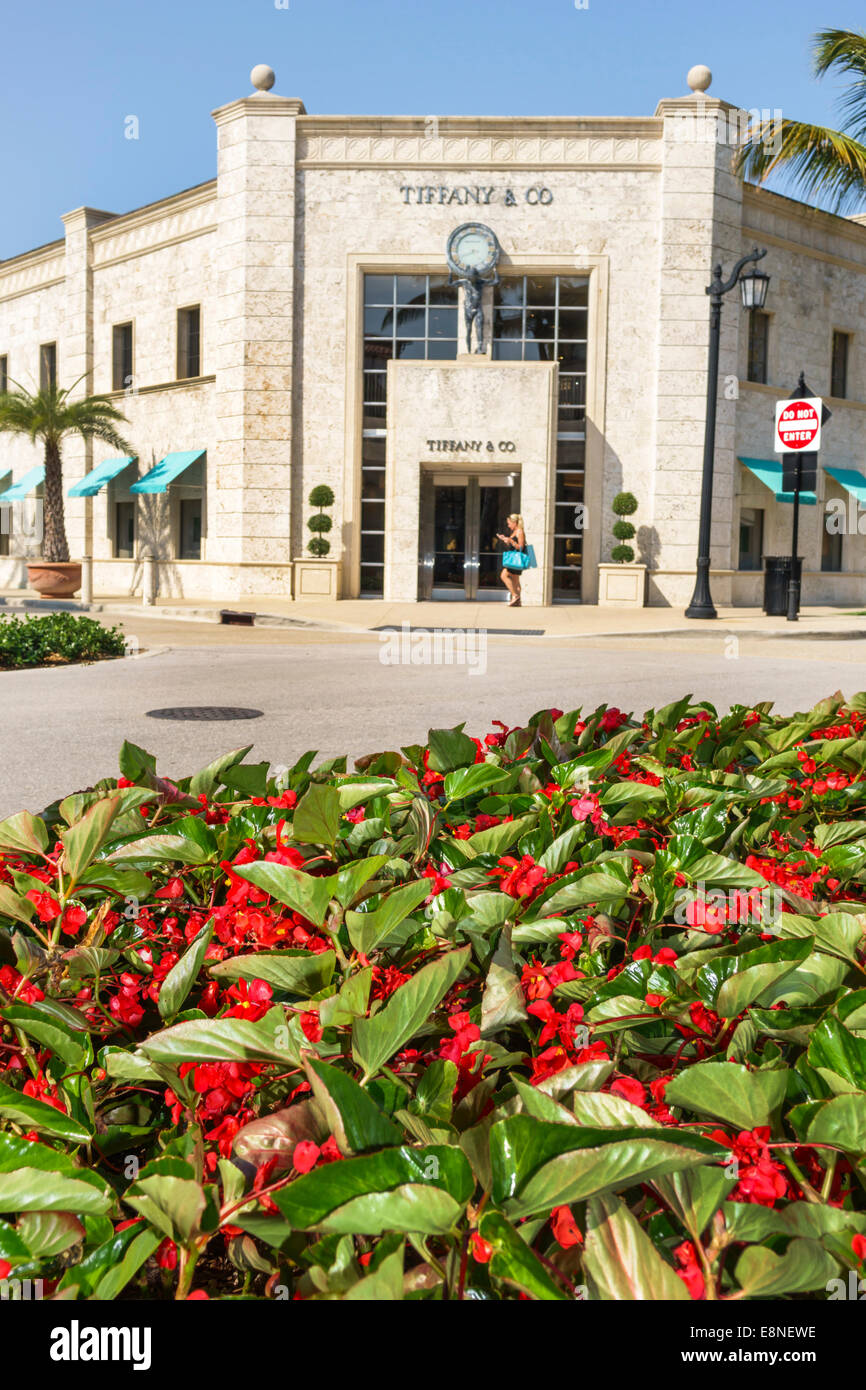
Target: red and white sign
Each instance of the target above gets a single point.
(798, 425)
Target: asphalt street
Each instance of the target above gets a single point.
(61, 728)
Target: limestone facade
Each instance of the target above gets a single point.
(275, 252)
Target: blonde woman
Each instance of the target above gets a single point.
(515, 541)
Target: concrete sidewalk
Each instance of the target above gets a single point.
(371, 615)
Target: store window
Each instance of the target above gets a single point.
(545, 319)
(839, 365)
(759, 340)
(189, 342)
(405, 316)
(751, 538)
(121, 356)
(831, 544)
(124, 530)
(47, 366)
(190, 528)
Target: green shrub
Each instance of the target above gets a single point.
(624, 504)
(322, 496)
(57, 639)
(319, 547)
(320, 522)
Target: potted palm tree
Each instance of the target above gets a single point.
(48, 416)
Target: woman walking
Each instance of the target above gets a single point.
(515, 559)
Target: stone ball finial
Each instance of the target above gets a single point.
(699, 77)
(262, 77)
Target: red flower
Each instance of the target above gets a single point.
(481, 1248)
(858, 1245)
(305, 1155)
(173, 889)
(311, 1026)
(630, 1089)
(166, 1255)
(47, 908)
(564, 1227)
(73, 920)
(253, 999)
(690, 1270)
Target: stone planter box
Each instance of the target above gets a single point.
(622, 586)
(317, 579)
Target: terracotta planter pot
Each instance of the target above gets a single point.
(54, 580)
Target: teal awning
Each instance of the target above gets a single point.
(769, 472)
(25, 486)
(165, 472)
(97, 478)
(851, 480)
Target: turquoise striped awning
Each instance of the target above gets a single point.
(25, 486)
(98, 477)
(851, 480)
(165, 472)
(769, 472)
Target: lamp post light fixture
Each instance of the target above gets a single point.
(753, 290)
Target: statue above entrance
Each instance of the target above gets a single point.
(473, 256)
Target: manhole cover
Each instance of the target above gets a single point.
(205, 712)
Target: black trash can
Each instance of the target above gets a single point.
(777, 572)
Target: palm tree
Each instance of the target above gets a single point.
(48, 415)
(830, 164)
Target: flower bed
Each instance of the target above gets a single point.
(57, 639)
(575, 1010)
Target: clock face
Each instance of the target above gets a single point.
(473, 248)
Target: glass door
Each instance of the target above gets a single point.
(461, 516)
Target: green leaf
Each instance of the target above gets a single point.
(397, 1189)
(367, 930)
(621, 1259)
(293, 972)
(161, 849)
(695, 1195)
(745, 978)
(469, 781)
(351, 879)
(834, 1049)
(450, 749)
(385, 1284)
(353, 1116)
(355, 792)
(210, 777)
(83, 841)
(376, 1039)
(24, 832)
(183, 974)
(502, 1002)
(41, 1023)
(14, 905)
(35, 1114)
(34, 1189)
(49, 1233)
(717, 871)
(434, 1094)
(175, 1206)
(316, 818)
(537, 1165)
(250, 779)
(841, 1121)
(805, 1265)
(730, 1092)
(221, 1040)
(515, 1263)
(301, 892)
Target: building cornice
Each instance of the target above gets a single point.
(39, 253)
(555, 127)
(764, 200)
(156, 212)
(259, 104)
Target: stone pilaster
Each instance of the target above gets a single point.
(75, 363)
(249, 483)
(700, 225)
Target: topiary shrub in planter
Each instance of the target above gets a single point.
(622, 583)
(319, 577)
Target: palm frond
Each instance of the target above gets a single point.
(845, 51)
(813, 160)
(48, 414)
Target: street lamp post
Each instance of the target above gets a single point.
(753, 289)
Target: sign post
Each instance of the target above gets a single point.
(797, 437)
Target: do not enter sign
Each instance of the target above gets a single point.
(798, 425)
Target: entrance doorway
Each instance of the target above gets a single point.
(461, 514)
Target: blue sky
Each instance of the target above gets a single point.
(72, 71)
